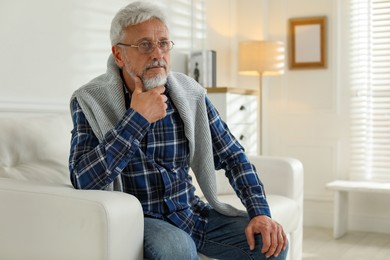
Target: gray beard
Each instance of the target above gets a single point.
(151, 83)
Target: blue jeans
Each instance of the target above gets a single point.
(225, 239)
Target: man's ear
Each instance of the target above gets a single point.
(118, 56)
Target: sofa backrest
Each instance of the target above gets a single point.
(223, 185)
(36, 149)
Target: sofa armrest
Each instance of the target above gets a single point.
(280, 175)
(284, 176)
(43, 221)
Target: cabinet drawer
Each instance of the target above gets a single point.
(246, 135)
(238, 109)
(241, 109)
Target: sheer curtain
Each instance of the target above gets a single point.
(370, 89)
(186, 20)
(187, 25)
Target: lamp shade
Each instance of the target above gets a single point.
(261, 58)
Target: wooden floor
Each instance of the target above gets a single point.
(319, 244)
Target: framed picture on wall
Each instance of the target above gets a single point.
(202, 68)
(307, 43)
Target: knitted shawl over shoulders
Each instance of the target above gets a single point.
(103, 103)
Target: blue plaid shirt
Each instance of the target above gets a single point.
(153, 160)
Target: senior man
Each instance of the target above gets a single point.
(140, 127)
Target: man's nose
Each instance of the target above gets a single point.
(157, 52)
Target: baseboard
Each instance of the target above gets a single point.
(369, 223)
(318, 212)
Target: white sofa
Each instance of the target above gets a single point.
(43, 217)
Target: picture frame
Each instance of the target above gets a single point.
(202, 67)
(308, 42)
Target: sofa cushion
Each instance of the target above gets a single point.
(284, 210)
(36, 149)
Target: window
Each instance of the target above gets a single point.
(187, 27)
(186, 20)
(370, 89)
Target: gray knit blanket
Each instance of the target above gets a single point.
(103, 103)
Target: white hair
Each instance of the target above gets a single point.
(132, 14)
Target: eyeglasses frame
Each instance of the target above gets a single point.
(155, 44)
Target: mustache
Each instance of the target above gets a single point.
(156, 63)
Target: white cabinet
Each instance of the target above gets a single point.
(238, 108)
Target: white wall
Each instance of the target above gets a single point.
(229, 22)
(307, 118)
(305, 111)
(49, 48)
(221, 36)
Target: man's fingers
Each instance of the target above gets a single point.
(266, 237)
(159, 89)
(285, 240)
(272, 249)
(281, 244)
(138, 87)
(274, 239)
(250, 237)
(278, 241)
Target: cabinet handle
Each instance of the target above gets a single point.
(242, 107)
(242, 137)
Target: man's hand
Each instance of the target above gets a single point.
(273, 236)
(150, 104)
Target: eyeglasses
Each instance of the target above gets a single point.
(146, 47)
